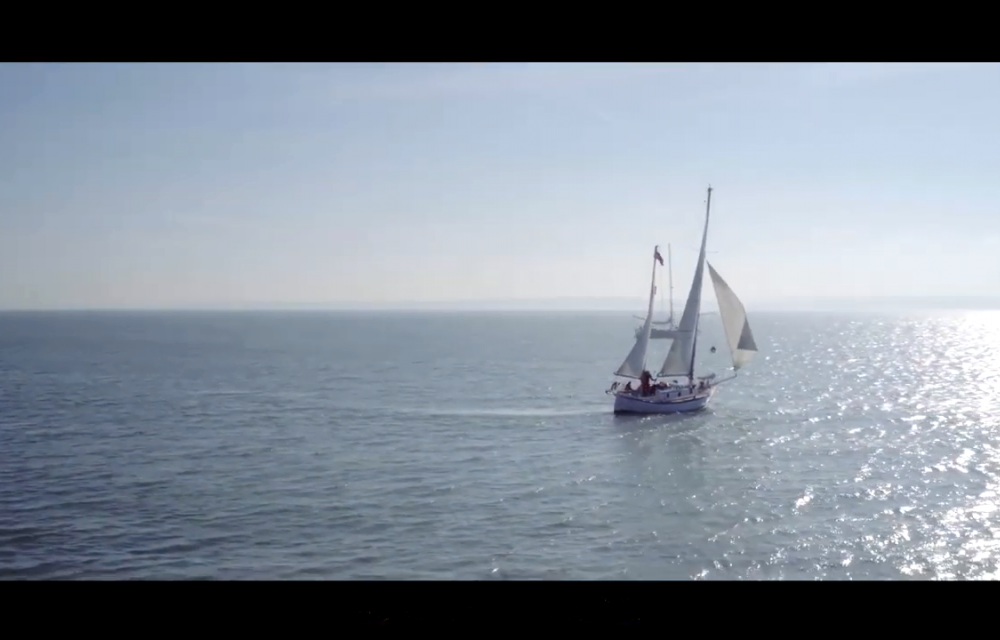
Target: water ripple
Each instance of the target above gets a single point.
(320, 446)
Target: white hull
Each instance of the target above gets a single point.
(663, 334)
(666, 330)
(663, 401)
(659, 334)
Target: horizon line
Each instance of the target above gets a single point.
(568, 303)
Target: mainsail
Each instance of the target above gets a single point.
(734, 320)
(635, 362)
(680, 358)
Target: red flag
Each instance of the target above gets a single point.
(657, 256)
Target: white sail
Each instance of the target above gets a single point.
(734, 320)
(680, 358)
(635, 362)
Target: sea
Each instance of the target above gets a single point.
(482, 446)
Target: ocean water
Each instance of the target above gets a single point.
(482, 446)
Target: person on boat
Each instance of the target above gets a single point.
(644, 381)
(628, 387)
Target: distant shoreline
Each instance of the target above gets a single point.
(567, 306)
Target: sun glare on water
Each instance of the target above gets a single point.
(963, 541)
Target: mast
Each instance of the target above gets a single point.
(635, 362)
(661, 294)
(680, 358)
(670, 275)
(649, 312)
(697, 322)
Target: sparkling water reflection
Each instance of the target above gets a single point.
(350, 446)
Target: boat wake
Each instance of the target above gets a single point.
(474, 412)
(512, 412)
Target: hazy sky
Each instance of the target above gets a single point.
(186, 185)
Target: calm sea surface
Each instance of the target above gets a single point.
(482, 446)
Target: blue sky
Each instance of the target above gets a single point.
(211, 185)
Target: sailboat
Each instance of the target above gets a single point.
(693, 395)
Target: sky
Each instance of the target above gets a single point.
(215, 185)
